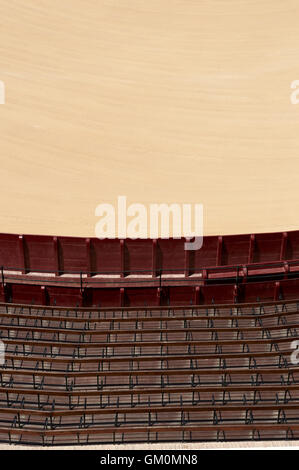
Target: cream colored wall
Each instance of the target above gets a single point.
(162, 101)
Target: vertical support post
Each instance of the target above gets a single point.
(251, 248)
(88, 257)
(122, 258)
(122, 297)
(197, 295)
(82, 293)
(219, 251)
(44, 295)
(56, 256)
(236, 294)
(159, 295)
(286, 269)
(81, 282)
(154, 258)
(187, 263)
(283, 246)
(22, 262)
(3, 293)
(277, 290)
(2, 276)
(245, 273)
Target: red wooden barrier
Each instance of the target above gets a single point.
(32, 253)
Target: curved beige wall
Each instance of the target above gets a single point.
(161, 100)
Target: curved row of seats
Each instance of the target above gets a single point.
(149, 375)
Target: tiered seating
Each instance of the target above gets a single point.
(162, 374)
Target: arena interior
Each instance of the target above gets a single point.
(127, 343)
